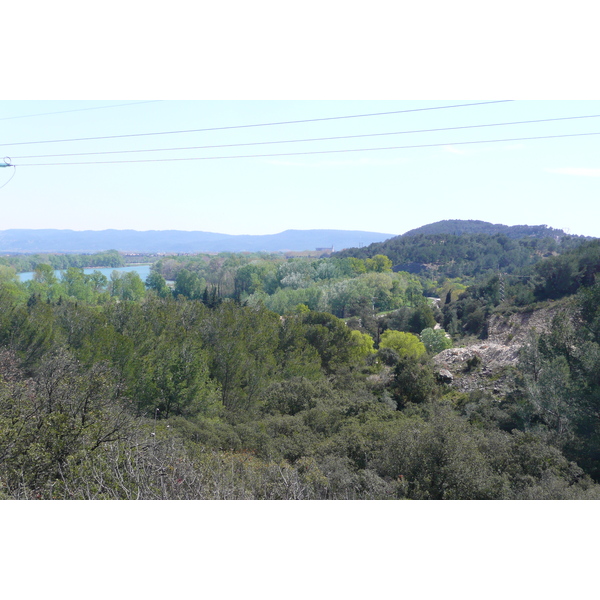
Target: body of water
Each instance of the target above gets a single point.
(142, 270)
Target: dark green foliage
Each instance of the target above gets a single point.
(409, 319)
(388, 356)
(241, 350)
(414, 382)
(473, 363)
(294, 395)
(562, 275)
(157, 283)
(330, 337)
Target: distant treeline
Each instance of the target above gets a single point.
(343, 287)
(23, 263)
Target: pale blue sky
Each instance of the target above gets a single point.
(551, 181)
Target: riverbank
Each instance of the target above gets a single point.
(143, 270)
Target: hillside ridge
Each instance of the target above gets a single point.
(459, 227)
(129, 240)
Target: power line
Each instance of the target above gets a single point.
(109, 162)
(341, 137)
(394, 112)
(10, 178)
(60, 112)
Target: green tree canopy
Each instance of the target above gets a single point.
(405, 344)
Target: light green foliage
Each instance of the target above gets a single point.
(405, 344)
(8, 275)
(257, 276)
(285, 299)
(97, 280)
(435, 340)
(379, 263)
(451, 290)
(44, 274)
(296, 273)
(362, 345)
(76, 285)
(357, 265)
(126, 286)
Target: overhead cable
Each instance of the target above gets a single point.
(394, 112)
(108, 162)
(60, 112)
(10, 178)
(323, 139)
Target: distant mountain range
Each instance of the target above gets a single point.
(128, 240)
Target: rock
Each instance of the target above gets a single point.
(444, 376)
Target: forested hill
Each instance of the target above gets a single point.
(464, 255)
(460, 227)
(66, 240)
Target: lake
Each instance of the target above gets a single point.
(142, 270)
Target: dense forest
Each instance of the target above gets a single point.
(253, 376)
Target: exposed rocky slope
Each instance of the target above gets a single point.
(488, 364)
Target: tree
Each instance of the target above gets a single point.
(156, 282)
(126, 286)
(242, 342)
(379, 263)
(362, 345)
(330, 337)
(63, 415)
(188, 284)
(174, 377)
(45, 274)
(413, 382)
(421, 318)
(435, 340)
(405, 344)
(76, 285)
(97, 280)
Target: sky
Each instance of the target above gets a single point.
(553, 181)
(159, 69)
